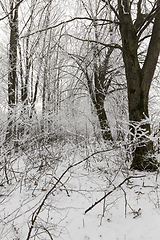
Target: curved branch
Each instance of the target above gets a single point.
(57, 25)
(97, 42)
(39, 208)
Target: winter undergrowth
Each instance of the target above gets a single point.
(67, 189)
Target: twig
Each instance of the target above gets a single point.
(48, 233)
(63, 186)
(126, 179)
(125, 199)
(103, 211)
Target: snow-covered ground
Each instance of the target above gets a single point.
(130, 211)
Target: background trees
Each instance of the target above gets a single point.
(99, 69)
(78, 109)
(54, 54)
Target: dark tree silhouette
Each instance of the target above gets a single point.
(139, 78)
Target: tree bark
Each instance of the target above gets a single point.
(97, 94)
(99, 105)
(103, 121)
(12, 75)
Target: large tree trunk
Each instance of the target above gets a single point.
(138, 83)
(138, 110)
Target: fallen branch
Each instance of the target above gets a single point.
(118, 186)
(39, 208)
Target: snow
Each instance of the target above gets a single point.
(129, 212)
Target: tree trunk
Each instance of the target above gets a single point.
(103, 121)
(138, 111)
(12, 75)
(97, 90)
(97, 94)
(99, 105)
(138, 83)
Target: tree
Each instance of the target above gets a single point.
(136, 29)
(97, 85)
(12, 75)
(94, 34)
(99, 92)
(139, 75)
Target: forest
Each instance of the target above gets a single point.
(79, 119)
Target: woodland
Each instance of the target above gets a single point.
(79, 122)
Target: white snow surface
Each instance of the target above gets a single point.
(129, 212)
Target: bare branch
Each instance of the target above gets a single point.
(118, 186)
(112, 8)
(7, 15)
(147, 21)
(57, 25)
(95, 41)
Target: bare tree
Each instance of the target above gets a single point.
(139, 73)
(95, 38)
